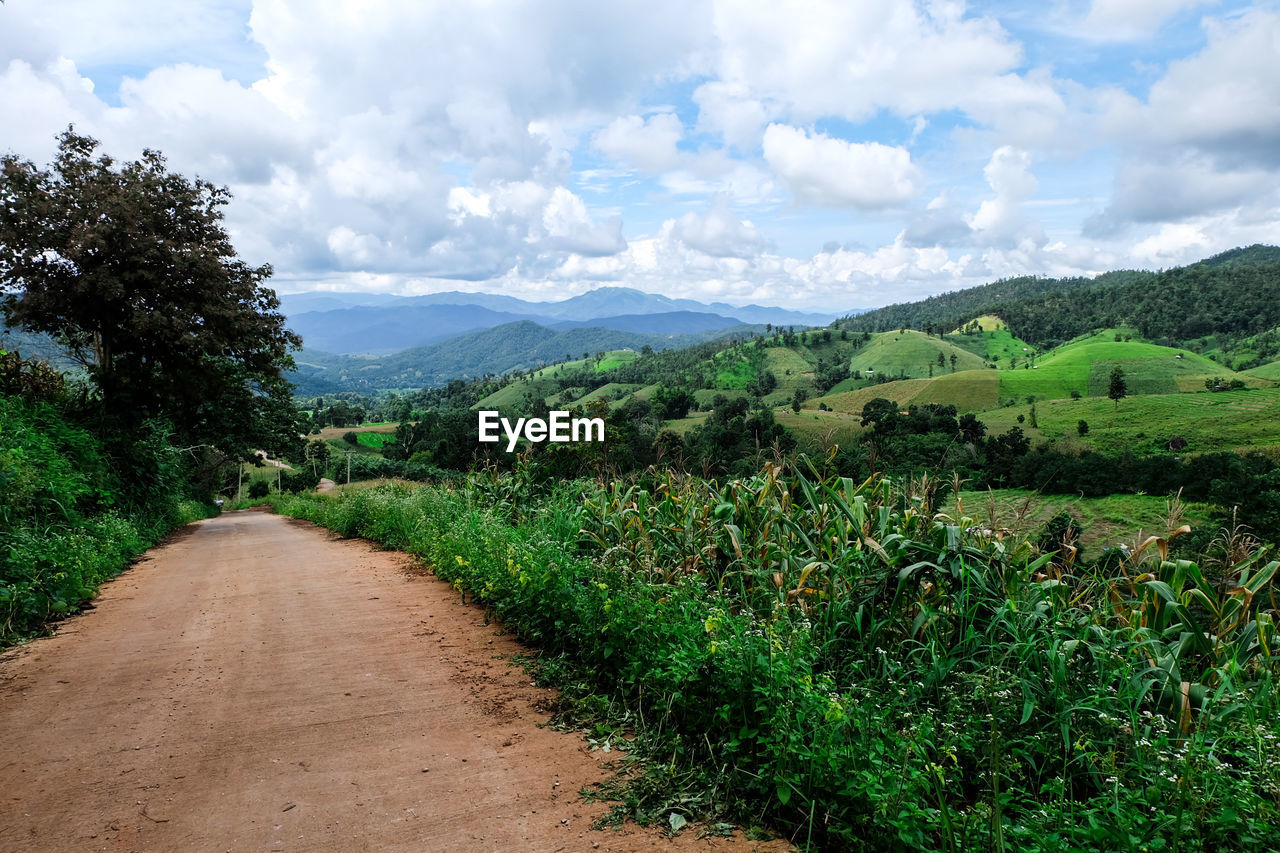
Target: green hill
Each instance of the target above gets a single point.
(1231, 295)
(1269, 371)
(1084, 366)
(912, 355)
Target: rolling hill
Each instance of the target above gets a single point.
(1231, 295)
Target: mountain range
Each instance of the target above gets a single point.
(521, 345)
(378, 324)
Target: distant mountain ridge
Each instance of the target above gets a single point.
(348, 323)
(523, 344)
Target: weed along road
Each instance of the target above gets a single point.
(255, 684)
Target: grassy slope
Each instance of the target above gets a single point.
(1267, 371)
(1104, 521)
(1085, 365)
(1228, 420)
(614, 392)
(912, 354)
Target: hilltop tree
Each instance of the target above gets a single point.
(1117, 387)
(130, 266)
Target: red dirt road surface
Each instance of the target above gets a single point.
(257, 685)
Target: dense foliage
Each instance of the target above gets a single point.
(1234, 295)
(72, 514)
(870, 671)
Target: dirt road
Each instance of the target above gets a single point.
(257, 685)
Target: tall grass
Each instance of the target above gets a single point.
(870, 671)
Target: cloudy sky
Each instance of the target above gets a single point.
(827, 155)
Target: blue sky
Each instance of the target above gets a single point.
(824, 155)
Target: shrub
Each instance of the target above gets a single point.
(351, 437)
(259, 489)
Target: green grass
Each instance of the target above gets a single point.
(1267, 371)
(851, 402)
(615, 392)
(780, 360)
(911, 354)
(375, 440)
(968, 391)
(734, 374)
(782, 650)
(1104, 522)
(1084, 366)
(683, 425)
(1228, 420)
(513, 396)
(816, 429)
(615, 359)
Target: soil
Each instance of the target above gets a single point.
(256, 684)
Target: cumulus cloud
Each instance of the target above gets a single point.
(1002, 221)
(941, 223)
(1207, 139)
(1122, 20)
(672, 146)
(648, 144)
(831, 172)
(717, 233)
(1225, 100)
(802, 62)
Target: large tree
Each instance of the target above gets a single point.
(131, 267)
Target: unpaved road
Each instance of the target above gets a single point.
(256, 684)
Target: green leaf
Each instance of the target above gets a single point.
(677, 822)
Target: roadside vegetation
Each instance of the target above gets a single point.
(177, 359)
(868, 668)
(72, 512)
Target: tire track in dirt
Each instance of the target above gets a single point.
(256, 684)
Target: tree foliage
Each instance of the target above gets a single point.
(130, 267)
(1116, 385)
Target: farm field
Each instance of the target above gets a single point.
(911, 354)
(1103, 522)
(1226, 420)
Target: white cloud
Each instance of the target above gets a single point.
(571, 228)
(801, 62)
(649, 144)
(1002, 221)
(1121, 20)
(407, 145)
(1226, 99)
(717, 233)
(831, 172)
(1207, 139)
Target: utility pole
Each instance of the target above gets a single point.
(349, 452)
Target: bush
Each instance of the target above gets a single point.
(351, 438)
(67, 521)
(259, 489)
(1082, 427)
